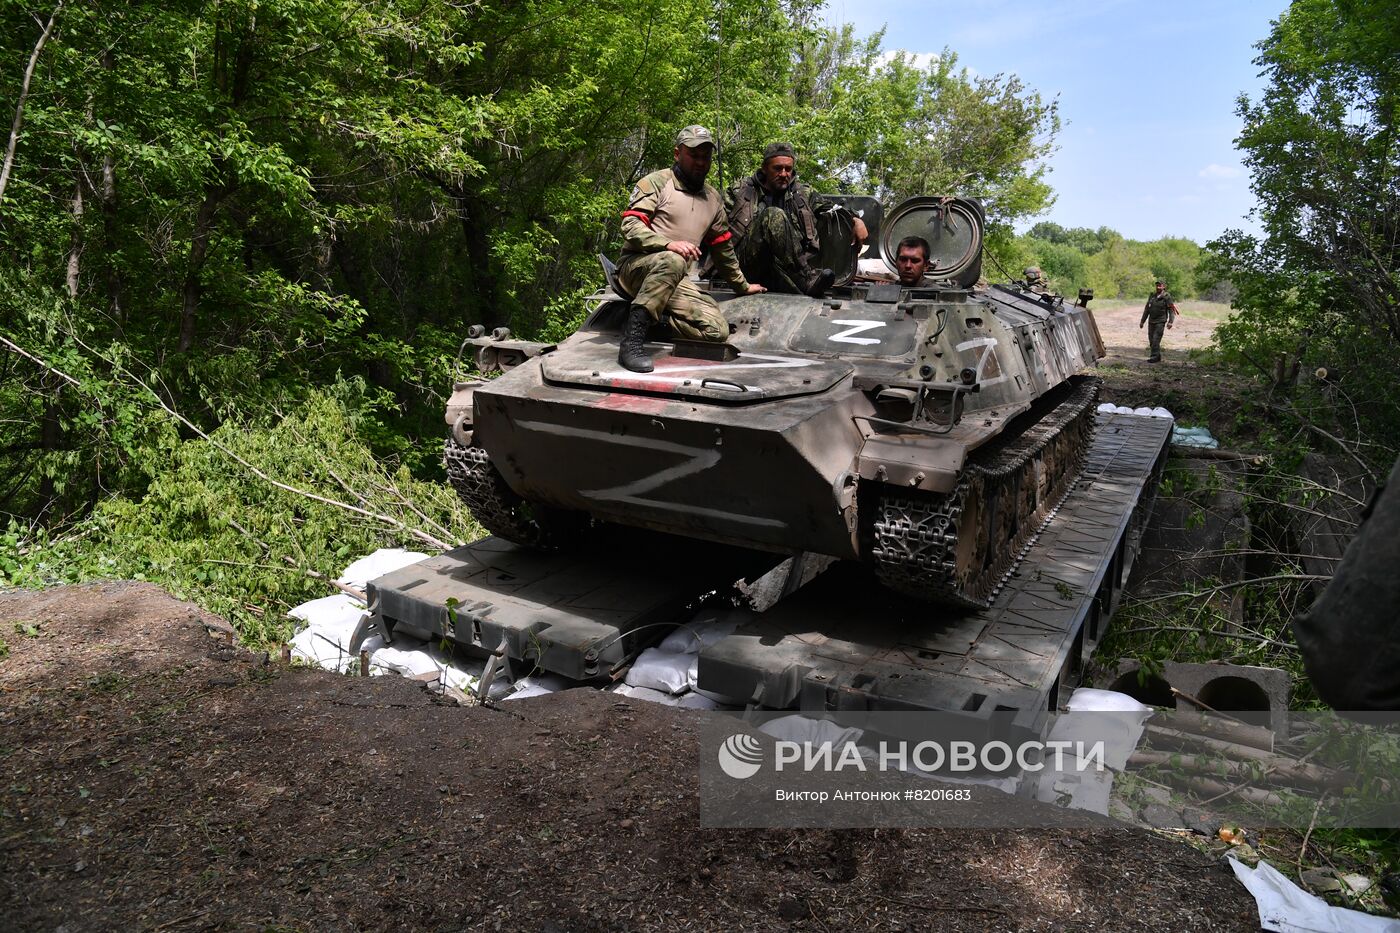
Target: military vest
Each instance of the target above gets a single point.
(1159, 307)
(797, 202)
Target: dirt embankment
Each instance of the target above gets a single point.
(156, 778)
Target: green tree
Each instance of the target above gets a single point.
(1324, 156)
(885, 126)
(241, 201)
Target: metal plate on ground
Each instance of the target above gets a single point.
(843, 642)
(579, 615)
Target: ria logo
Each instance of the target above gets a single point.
(740, 756)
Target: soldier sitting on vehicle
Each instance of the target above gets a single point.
(773, 217)
(672, 212)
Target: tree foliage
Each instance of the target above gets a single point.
(1114, 267)
(1322, 283)
(239, 207)
(242, 201)
(207, 530)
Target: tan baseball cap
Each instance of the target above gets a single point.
(693, 136)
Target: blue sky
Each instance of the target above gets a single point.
(1147, 95)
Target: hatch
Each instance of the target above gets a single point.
(952, 227)
(751, 377)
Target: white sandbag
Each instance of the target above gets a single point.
(705, 630)
(404, 659)
(1089, 700)
(694, 700)
(668, 671)
(1143, 410)
(647, 694)
(1160, 412)
(382, 561)
(1123, 410)
(538, 685)
(1107, 408)
(816, 732)
(409, 657)
(325, 650)
(330, 612)
(325, 641)
(1286, 908)
(1088, 790)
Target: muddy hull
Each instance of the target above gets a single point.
(834, 643)
(695, 470)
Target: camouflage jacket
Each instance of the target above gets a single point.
(1159, 308)
(799, 201)
(661, 210)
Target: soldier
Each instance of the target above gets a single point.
(911, 260)
(1159, 312)
(774, 219)
(1036, 280)
(671, 213)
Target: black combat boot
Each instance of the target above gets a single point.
(631, 354)
(815, 282)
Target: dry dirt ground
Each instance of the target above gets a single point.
(1196, 395)
(156, 778)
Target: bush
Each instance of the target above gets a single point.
(209, 530)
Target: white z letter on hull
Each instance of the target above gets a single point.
(855, 327)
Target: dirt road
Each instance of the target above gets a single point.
(1193, 330)
(156, 778)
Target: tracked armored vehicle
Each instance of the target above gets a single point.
(928, 431)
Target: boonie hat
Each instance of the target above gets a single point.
(694, 135)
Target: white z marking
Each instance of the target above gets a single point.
(696, 460)
(663, 379)
(855, 327)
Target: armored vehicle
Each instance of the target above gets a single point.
(929, 431)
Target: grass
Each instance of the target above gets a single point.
(1208, 310)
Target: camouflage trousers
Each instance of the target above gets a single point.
(659, 283)
(771, 252)
(1155, 330)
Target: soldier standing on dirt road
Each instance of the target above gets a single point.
(671, 212)
(1159, 313)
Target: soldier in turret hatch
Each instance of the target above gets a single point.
(774, 219)
(671, 215)
(911, 261)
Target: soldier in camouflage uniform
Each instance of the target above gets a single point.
(1036, 281)
(670, 214)
(1158, 314)
(774, 220)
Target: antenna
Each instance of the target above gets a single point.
(719, 109)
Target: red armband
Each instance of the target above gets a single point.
(715, 241)
(639, 215)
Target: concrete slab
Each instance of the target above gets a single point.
(843, 642)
